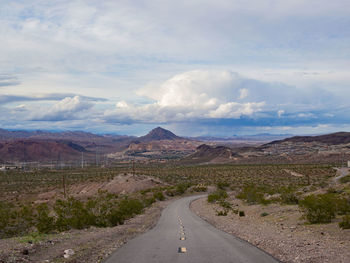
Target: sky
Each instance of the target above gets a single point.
(196, 67)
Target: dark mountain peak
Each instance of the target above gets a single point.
(158, 134)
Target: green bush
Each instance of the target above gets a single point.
(23, 219)
(288, 197)
(221, 213)
(102, 210)
(4, 215)
(264, 214)
(342, 205)
(130, 207)
(71, 213)
(115, 217)
(345, 179)
(159, 196)
(319, 208)
(241, 213)
(217, 196)
(225, 204)
(345, 223)
(200, 188)
(222, 185)
(181, 188)
(149, 201)
(44, 222)
(253, 195)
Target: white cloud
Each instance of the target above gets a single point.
(306, 115)
(197, 94)
(236, 110)
(280, 113)
(67, 109)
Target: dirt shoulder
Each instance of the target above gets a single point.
(89, 245)
(281, 232)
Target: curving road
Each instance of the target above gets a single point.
(182, 236)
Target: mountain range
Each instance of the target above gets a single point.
(43, 146)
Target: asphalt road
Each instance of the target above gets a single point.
(202, 242)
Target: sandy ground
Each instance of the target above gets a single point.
(120, 184)
(89, 245)
(282, 232)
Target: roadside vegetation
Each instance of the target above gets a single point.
(20, 214)
(103, 210)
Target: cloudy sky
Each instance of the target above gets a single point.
(197, 67)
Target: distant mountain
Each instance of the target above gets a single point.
(263, 137)
(159, 134)
(34, 150)
(330, 139)
(207, 153)
(65, 135)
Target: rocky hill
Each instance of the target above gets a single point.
(39, 151)
(213, 154)
(159, 134)
(329, 139)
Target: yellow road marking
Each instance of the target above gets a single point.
(182, 250)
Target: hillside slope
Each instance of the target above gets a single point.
(36, 150)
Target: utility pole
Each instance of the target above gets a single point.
(82, 159)
(133, 167)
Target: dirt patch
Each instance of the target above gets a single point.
(120, 184)
(280, 232)
(293, 173)
(89, 245)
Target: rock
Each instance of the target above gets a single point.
(68, 253)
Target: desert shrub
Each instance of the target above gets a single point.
(221, 213)
(71, 213)
(4, 215)
(130, 207)
(253, 195)
(200, 188)
(178, 189)
(225, 204)
(170, 192)
(100, 207)
(288, 196)
(222, 185)
(217, 196)
(159, 196)
(345, 179)
(32, 237)
(44, 222)
(263, 214)
(319, 208)
(345, 223)
(23, 219)
(342, 205)
(241, 213)
(181, 188)
(149, 201)
(115, 217)
(143, 192)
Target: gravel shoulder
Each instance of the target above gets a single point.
(89, 245)
(282, 232)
